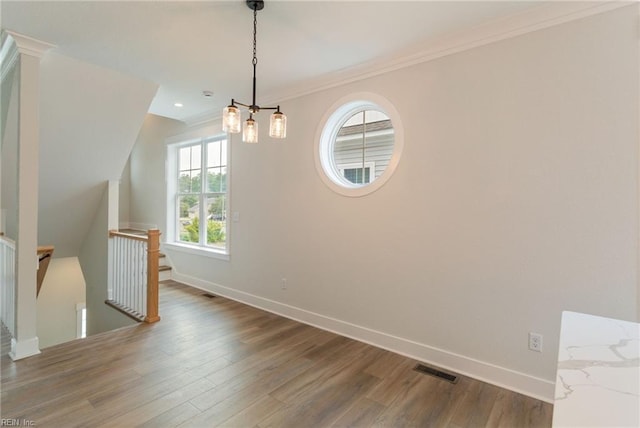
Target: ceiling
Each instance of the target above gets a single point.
(187, 47)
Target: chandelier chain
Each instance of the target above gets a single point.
(255, 31)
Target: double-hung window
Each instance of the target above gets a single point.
(200, 200)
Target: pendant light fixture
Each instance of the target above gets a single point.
(231, 115)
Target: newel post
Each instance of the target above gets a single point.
(153, 251)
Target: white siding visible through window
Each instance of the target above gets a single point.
(365, 139)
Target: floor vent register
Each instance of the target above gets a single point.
(421, 368)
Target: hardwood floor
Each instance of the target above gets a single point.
(215, 362)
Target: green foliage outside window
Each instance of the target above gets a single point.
(215, 232)
(216, 182)
(186, 184)
(187, 202)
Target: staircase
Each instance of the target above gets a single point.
(133, 274)
(164, 268)
(44, 257)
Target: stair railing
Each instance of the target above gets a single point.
(8, 283)
(133, 274)
(45, 252)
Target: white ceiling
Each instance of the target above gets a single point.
(187, 47)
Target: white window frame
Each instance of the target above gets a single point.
(172, 239)
(327, 132)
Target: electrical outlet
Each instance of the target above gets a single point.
(535, 342)
(284, 283)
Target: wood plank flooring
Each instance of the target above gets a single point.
(215, 362)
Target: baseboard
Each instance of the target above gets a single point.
(24, 348)
(535, 387)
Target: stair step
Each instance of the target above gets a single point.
(125, 310)
(164, 272)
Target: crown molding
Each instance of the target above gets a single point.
(28, 45)
(544, 16)
(8, 55)
(204, 118)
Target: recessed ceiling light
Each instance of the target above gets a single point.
(179, 105)
(207, 94)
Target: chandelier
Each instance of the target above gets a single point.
(231, 115)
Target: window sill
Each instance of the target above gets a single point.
(198, 251)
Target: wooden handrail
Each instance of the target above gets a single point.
(113, 233)
(153, 252)
(42, 249)
(45, 252)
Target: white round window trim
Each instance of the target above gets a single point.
(329, 127)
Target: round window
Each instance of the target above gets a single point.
(359, 144)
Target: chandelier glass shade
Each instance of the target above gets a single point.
(232, 114)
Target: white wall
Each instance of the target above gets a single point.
(90, 117)
(94, 261)
(516, 198)
(63, 287)
(124, 196)
(9, 155)
(147, 164)
(7, 92)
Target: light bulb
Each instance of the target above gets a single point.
(278, 125)
(231, 119)
(250, 131)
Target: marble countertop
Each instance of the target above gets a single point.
(598, 377)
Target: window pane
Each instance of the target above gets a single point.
(189, 173)
(354, 175)
(356, 119)
(189, 182)
(195, 181)
(196, 162)
(223, 156)
(214, 156)
(366, 138)
(223, 179)
(188, 221)
(214, 180)
(184, 158)
(216, 220)
(184, 182)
